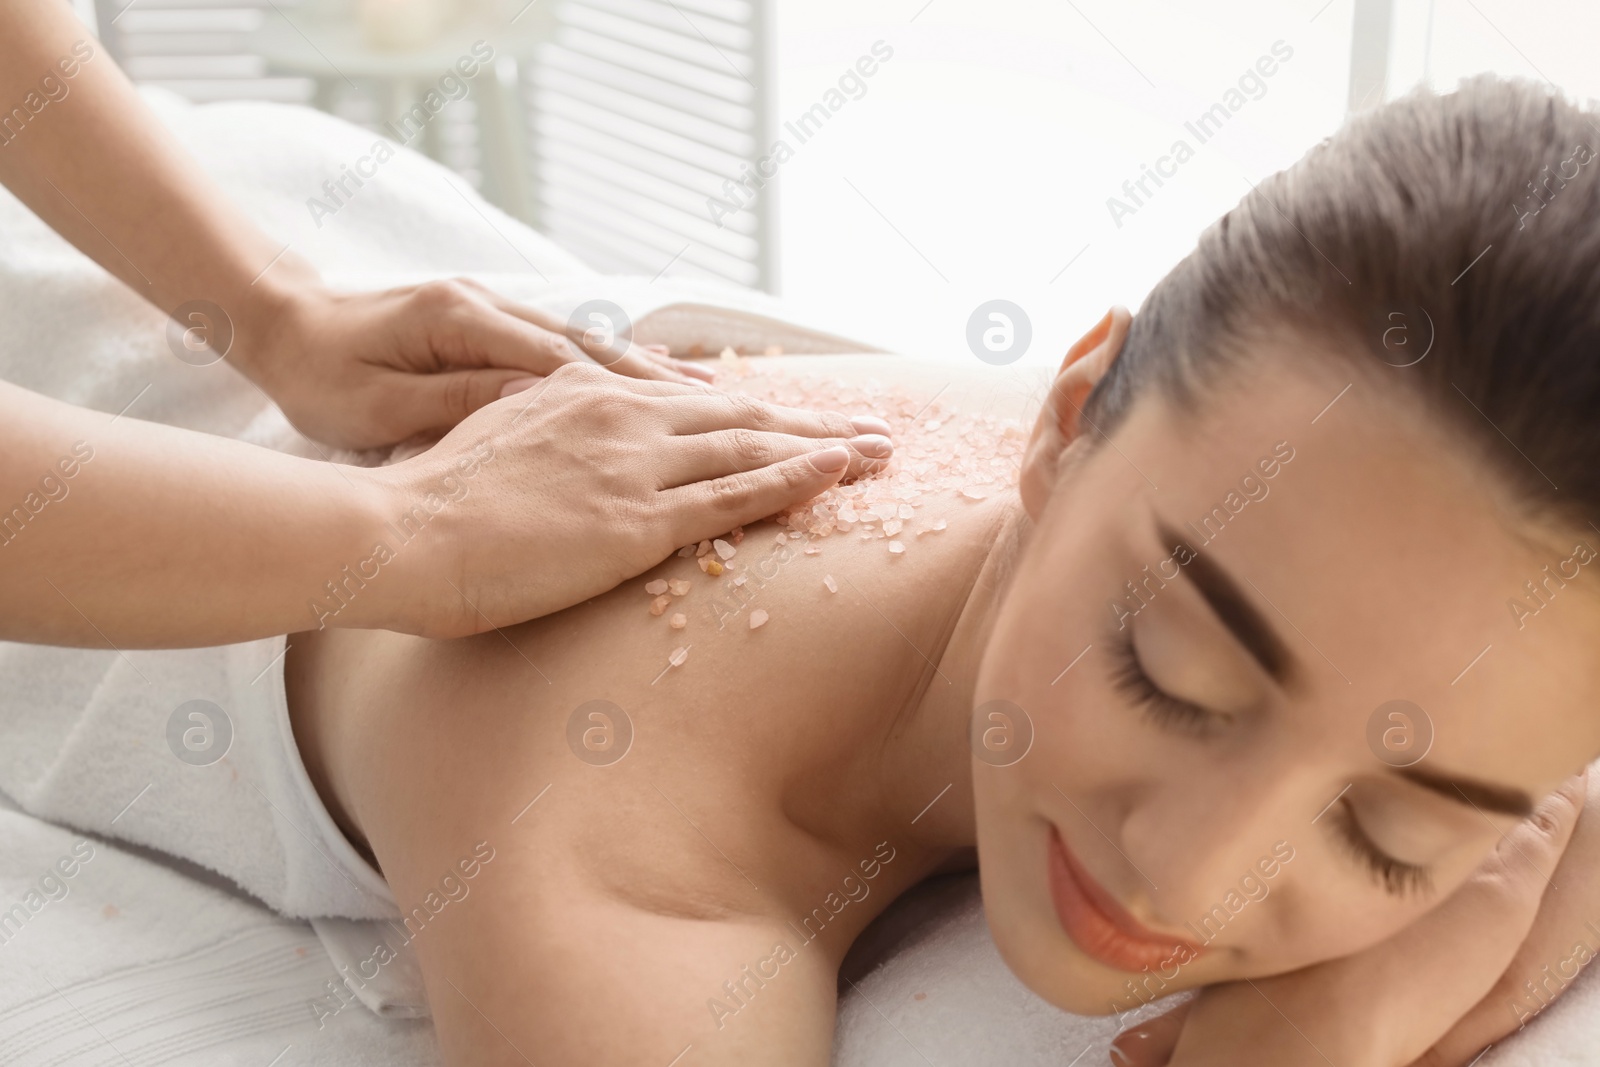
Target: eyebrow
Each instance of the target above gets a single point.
(1482, 795)
(1228, 601)
(1256, 634)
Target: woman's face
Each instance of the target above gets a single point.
(1287, 684)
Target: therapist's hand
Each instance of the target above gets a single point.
(358, 370)
(557, 494)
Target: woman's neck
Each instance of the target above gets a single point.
(925, 769)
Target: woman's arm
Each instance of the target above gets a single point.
(81, 149)
(115, 531)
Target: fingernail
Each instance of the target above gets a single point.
(873, 445)
(869, 424)
(831, 460)
(660, 350)
(517, 385)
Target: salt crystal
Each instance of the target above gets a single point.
(659, 605)
(892, 527)
(906, 511)
(848, 514)
(686, 551)
(679, 655)
(737, 535)
(730, 356)
(758, 619)
(724, 549)
(813, 550)
(739, 580)
(678, 621)
(827, 580)
(712, 567)
(782, 538)
(896, 547)
(975, 492)
(677, 586)
(885, 511)
(702, 548)
(939, 524)
(934, 426)
(657, 587)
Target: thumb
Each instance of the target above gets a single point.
(436, 402)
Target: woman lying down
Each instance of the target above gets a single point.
(1278, 625)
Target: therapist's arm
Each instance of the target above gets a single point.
(83, 151)
(127, 534)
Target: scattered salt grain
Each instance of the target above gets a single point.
(739, 580)
(659, 604)
(686, 551)
(892, 527)
(677, 586)
(907, 511)
(846, 514)
(896, 547)
(975, 492)
(827, 580)
(702, 548)
(657, 587)
(724, 550)
(758, 619)
(812, 550)
(679, 655)
(711, 566)
(679, 620)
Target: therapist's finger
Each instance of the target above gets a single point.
(711, 508)
(663, 355)
(615, 353)
(728, 411)
(707, 456)
(437, 402)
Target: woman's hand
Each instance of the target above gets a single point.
(557, 494)
(359, 370)
(1434, 995)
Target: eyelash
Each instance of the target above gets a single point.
(1397, 878)
(1160, 707)
(1168, 712)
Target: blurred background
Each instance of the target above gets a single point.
(887, 166)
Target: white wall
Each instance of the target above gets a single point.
(994, 136)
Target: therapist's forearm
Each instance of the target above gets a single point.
(97, 165)
(136, 535)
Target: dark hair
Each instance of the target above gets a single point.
(1376, 227)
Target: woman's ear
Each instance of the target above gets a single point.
(1060, 421)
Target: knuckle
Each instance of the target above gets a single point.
(458, 393)
(750, 412)
(443, 295)
(750, 446)
(834, 424)
(733, 493)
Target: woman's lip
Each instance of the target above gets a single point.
(1099, 925)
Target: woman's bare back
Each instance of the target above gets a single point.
(684, 844)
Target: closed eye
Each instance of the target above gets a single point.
(1160, 707)
(1397, 878)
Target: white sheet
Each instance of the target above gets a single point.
(147, 960)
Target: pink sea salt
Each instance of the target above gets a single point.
(659, 605)
(678, 586)
(892, 527)
(657, 587)
(827, 580)
(678, 621)
(679, 655)
(724, 550)
(758, 619)
(896, 547)
(702, 548)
